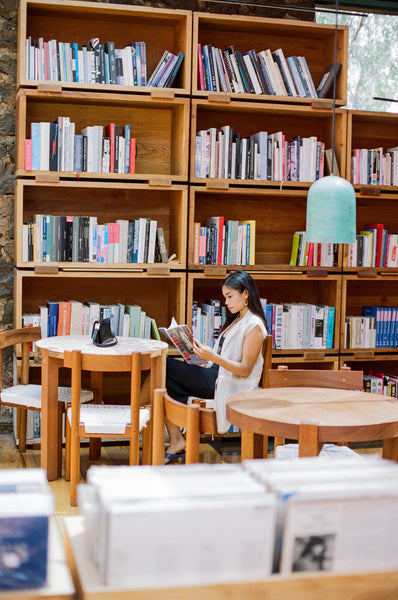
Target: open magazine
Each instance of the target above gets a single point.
(182, 338)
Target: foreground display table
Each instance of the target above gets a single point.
(52, 350)
(314, 416)
(382, 585)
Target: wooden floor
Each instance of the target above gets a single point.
(226, 451)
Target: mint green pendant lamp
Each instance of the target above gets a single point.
(331, 211)
(331, 202)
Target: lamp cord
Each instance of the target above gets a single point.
(334, 85)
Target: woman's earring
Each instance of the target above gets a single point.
(246, 303)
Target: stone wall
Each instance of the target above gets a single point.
(8, 61)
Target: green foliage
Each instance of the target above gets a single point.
(373, 59)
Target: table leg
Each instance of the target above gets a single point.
(158, 380)
(253, 445)
(308, 440)
(390, 449)
(96, 384)
(49, 455)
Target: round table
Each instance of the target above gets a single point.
(52, 350)
(314, 416)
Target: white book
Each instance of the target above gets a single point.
(152, 241)
(25, 242)
(43, 310)
(75, 317)
(275, 73)
(244, 158)
(141, 240)
(123, 239)
(252, 74)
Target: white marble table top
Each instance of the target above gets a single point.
(125, 345)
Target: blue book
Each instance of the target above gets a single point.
(78, 153)
(138, 60)
(52, 318)
(75, 59)
(35, 136)
(107, 69)
(268, 316)
(330, 326)
(127, 140)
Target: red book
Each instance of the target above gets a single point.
(64, 310)
(200, 68)
(133, 150)
(110, 133)
(28, 155)
(379, 240)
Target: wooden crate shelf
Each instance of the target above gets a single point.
(160, 29)
(160, 127)
(296, 38)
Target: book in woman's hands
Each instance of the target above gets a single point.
(182, 338)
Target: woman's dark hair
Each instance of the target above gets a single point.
(241, 281)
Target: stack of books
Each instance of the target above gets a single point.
(374, 166)
(72, 317)
(26, 504)
(52, 238)
(377, 327)
(221, 153)
(224, 242)
(96, 149)
(254, 72)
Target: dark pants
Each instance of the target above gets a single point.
(184, 380)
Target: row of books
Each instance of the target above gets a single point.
(374, 166)
(312, 254)
(207, 320)
(221, 153)
(363, 252)
(224, 242)
(72, 317)
(254, 72)
(302, 516)
(377, 327)
(52, 238)
(294, 326)
(376, 382)
(97, 62)
(96, 149)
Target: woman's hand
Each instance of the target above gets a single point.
(203, 351)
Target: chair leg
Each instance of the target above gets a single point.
(94, 445)
(146, 446)
(74, 466)
(60, 437)
(22, 415)
(67, 448)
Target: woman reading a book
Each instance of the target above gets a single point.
(234, 364)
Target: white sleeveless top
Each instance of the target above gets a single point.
(228, 383)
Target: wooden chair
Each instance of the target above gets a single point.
(343, 379)
(27, 396)
(105, 421)
(197, 417)
(194, 418)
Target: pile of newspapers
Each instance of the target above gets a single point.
(151, 527)
(26, 504)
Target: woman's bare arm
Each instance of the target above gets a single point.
(252, 344)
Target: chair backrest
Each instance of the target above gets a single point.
(267, 355)
(343, 379)
(24, 336)
(194, 418)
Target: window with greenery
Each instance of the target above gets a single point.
(373, 59)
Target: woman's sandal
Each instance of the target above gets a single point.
(171, 458)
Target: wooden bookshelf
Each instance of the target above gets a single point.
(282, 287)
(32, 289)
(248, 118)
(313, 41)
(69, 21)
(107, 201)
(374, 205)
(357, 291)
(367, 129)
(160, 127)
(278, 214)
